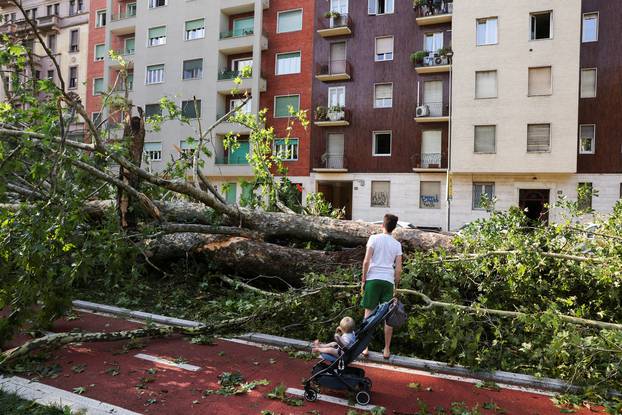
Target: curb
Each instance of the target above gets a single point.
(517, 379)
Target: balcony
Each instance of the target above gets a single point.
(432, 112)
(123, 23)
(430, 162)
(234, 163)
(230, 7)
(226, 83)
(432, 63)
(233, 42)
(335, 24)
(332, 117)
(48, 22)
(332, 163)
(227, 127)
(333, 71)
(430, 12)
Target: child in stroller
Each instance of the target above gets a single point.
(334, 372)
(344, 337)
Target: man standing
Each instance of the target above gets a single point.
(382, 269)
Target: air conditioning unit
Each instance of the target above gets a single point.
(423, 111)
(441, 60)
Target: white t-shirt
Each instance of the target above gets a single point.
(386, 250)
(348, 339)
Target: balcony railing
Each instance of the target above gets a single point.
(335, 22)
(430, 161)
(237, 33)
(434, 59)
(434, 109)
(323, 114)
(123, 15)
(227, 74)
(231, 161)
(48, 22)
(124, 52)
(337, 67)
(427, 8)
(333, 161)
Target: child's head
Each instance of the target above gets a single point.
(347, 324)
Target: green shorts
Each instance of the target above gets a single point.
(376, 292)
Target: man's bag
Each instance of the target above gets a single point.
(398, 317)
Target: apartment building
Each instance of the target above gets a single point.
(599, 163)
(64, 26)
(97, 52)
(381, 120)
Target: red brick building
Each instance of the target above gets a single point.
(97, 52)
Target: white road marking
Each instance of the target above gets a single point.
(332, 399)
(48, 395)
(161, 361)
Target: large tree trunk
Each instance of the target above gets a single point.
(250, 258)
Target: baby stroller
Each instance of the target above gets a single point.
(336, 374)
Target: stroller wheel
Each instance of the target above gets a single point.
(310, 395)
(363, 398)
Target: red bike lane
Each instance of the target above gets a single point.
(111, 372)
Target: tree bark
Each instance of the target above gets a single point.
(247, 257)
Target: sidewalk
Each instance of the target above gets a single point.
(169, 375)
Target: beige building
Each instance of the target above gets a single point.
(187, 50)
(515, 104)
(64, 27)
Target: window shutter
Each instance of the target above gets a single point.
(372, 6)
(485, 139)
(98, 85)
(384, 91)
(100, 51)
(130, 44)
(283, 104)
(152, 147)
(157, 32)
(195, 24)
(193, 64)
(430, 195)
(540, 81)
(491, 31)
(588, 83)
(290, 21)
(538, 137)
(384, 44)
(288, 63)
(486, 84)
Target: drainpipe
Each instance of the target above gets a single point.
(449, 184)
(258, 29)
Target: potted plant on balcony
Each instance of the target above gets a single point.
(418, 57)
(321, 113)
(332, 15)
(336, 113)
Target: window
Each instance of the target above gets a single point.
(52, 43)
(74, 40)
(380, 194)
(375, 7)
(155, 74)
(541, 25)
(540, 82)
(487, 31)
(588, 83)
(485, 84)
(130, 81)
(339, 6)
(336, 97)
(51, 75)
(195, 29)
(244, 26)
(433, 97)
(485, 139)
(245, 109)
(287, 63)
(432, 42)
(481, 192)
(590, 27)
(157, 36)
(191, 109)
(187, 148)
(100, 21)
(587, 139)
(382, 143)
(585, 191)
(73, 77)
(129, 46)
(383, 95)
(238, 65)
(289, 21)
(430, 195)
(130, 9)
(287, 150)
(283, 104)
(96, 117)
(153, 109)
(538, 138)
(100, 52)
(157, 3)
(153, 151)
(98, 86)
(52, 9)
(193, 69)
(384, 48)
